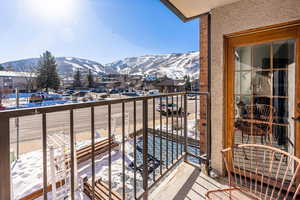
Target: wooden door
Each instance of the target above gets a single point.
(263, 87)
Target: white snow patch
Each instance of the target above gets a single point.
(27, 172)
(75, 65)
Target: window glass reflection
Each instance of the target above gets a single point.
(243, 83)
(261, 56)
(283, 54)
(261, 82)
(243, 58)
(280, 83)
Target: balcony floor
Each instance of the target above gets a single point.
(186, 182)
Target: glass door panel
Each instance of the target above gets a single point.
(265, 90)
(265, 95)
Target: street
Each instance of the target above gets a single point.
(30, 127)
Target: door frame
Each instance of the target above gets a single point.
(283, 31)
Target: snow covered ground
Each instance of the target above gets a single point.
(191, 127)
(27, 173)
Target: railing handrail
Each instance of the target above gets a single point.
(56, 108)
(5, 121)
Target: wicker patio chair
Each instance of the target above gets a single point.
(260, 177)
(256, 120)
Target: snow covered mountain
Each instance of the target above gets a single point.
(66, 65)
(174, 66)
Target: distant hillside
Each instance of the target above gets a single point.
(66, 65)
(174, 66)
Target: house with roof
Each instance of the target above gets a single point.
(21, 80)
(170, 85)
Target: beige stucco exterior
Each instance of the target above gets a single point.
(239, 16)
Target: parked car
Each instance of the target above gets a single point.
(2, 107)
(141, 93)
(114, 91)
(153, 92)
(52, 96)
(60, 92)
(131, 94)
(99, 90)
(80, 93)
(68, 93)
(169, 109)
(191, 96)
(41, 96)
(36, 98)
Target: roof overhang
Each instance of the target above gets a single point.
(190, 9)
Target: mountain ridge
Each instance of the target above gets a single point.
(175, 65)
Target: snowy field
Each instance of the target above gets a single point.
(27, 173)
(191, 127)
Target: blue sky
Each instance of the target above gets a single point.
(100, 30)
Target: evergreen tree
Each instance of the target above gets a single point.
(188, 84)
(77, 79)
(1, 68)
(90, 79)
(47, 76)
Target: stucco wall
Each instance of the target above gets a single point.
(235, 17)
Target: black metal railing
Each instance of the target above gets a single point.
(168, 134)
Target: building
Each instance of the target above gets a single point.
(21, 80)
(170, 85)
(67, 82)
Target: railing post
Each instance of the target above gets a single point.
(44, 137)
(5, 182)
(208, 132)
(93, 150)
(72, 149)
(145, 149)
(185, 127)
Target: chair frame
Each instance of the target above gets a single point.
(269, 184)
(255, 115)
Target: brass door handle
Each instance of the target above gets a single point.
(296, 118)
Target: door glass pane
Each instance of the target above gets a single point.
(239, 106)
(261, 82)
(281, 110)
(261, 56)
(283, 53)
(243, 83)
(280, 132)
(264, 96)
(243, 58)
(280, 83)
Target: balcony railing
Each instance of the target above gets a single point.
(160, 142)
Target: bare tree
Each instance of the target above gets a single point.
(30, 76)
